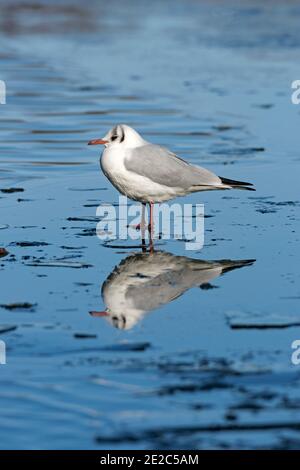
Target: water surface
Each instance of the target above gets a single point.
(203, 358)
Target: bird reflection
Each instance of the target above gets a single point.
(146, 281)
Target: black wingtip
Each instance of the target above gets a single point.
(238, 264)
(247, 188)
(237, 184)
(234, 182)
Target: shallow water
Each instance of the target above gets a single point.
(201, 355)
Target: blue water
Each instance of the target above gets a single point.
(212, 367)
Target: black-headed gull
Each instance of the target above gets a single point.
(150, 173)
(144, 282)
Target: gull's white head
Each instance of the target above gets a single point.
(121, 135)
(121, 321)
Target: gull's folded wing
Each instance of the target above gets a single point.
(164, 167)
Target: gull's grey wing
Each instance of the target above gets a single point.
(164, 167)
(169, 285)
(174, 276)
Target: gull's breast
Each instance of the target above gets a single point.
(131, 184)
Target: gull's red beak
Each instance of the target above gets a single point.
(99, 314)
(97, 142)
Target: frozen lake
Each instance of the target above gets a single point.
(206, 361)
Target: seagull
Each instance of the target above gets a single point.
(143, 282)
(149, 173)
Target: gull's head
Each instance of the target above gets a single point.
(121, 135)
(121, 321)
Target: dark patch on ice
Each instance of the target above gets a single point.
(11, 190)
(268, 206)
(158, 435)
(263, 327)
(87, 232)
(226, 127)
(264, 106)
(192, 387)
(261, 321)
(60, 264)
(19, 306)
(63, 247)
(237, 151)
(87, 189)
(84, 219)
(127, 347)
(7, 328)
(84, 336)
(27, 244)
(83, 284)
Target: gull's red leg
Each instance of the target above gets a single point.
(151, 227)
(141, 225)
(151, 217)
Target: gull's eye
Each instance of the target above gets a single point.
(114, 137)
